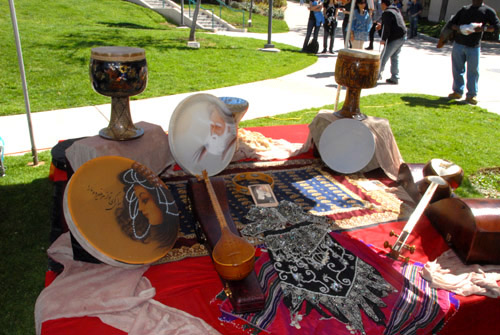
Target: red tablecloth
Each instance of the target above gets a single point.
(192, 284)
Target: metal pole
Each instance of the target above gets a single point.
(269, 25)
(250, 14)
(182, 13)
(23, 80)
(346, 45)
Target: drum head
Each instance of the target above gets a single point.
(120, 212)
(202, 134)
(346, 145)
(357, 53)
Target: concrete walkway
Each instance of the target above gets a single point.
(423, 69)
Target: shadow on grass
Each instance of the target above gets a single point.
(125, 25)
(442, 102)
(26, 213)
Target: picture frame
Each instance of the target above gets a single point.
(263, 195)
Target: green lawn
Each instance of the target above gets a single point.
(58, 35)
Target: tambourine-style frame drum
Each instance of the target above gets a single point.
(120, 212)
(346, 146)
(119, 72)
(355, 69)
(202, 134)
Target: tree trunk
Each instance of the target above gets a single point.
(192, 36)
(442, 12)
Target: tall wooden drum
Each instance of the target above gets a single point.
(355, 69)
(119, 72)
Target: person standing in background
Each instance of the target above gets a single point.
(330, 12)
(398, 4)
(345, 7)
(376, 18)
(393, 37)
(361, 24)
(470, 22)
(311, 24)
(414, 11)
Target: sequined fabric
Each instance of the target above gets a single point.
(315, 270)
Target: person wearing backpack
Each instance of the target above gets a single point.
(393, 35)
(331, 10)
(312, 24)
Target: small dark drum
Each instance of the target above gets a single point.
(355, 69)
(119, 72)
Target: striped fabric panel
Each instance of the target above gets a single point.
(417, 307)
(268, 279)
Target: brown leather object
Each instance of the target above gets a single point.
(409, 176)
(470, 226)
(245, 295)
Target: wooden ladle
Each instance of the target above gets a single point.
(232, 255)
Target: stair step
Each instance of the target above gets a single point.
(204, 20)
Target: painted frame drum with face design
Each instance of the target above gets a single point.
(108, 219)
(202, 134)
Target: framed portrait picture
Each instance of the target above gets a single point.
(263, 195)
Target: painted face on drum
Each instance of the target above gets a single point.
(148, 206)
(221, 134)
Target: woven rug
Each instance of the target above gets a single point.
(308, 183)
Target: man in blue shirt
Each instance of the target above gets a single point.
(470, 22)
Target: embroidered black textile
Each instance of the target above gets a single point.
(317, 271)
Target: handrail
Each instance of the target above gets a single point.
(222, 3)
(193, 2)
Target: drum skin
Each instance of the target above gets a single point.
(100, 193)
(191, 137)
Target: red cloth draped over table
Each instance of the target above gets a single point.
(192, 285)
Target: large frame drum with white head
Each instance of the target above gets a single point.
(202, 134)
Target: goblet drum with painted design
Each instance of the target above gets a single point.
(119, 72)
(355, 69)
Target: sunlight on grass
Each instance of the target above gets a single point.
(56, 53)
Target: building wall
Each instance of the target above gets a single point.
(453, 7)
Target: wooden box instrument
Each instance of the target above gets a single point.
(246, 294)
(470, 226)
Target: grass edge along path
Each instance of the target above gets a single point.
(56, 53)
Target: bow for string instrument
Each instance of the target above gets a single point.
(232, 255)
(436, 184)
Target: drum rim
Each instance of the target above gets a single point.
(117, 54)
(365, 54)
(172, 133)
(94, 249)
(325, 146)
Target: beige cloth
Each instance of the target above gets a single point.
(121, 298)
(387, 155)
(450, 273)
(151, 149)
(252, 144)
